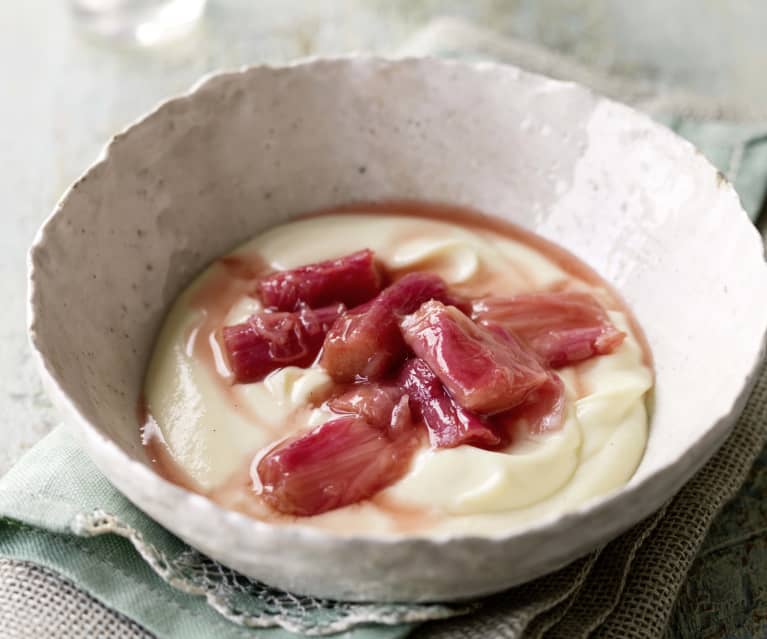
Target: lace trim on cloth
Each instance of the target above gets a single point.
(253, 604)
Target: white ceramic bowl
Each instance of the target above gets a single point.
(247, 150)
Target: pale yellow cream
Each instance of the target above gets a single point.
(213, 431)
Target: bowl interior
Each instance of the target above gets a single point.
(249, 150)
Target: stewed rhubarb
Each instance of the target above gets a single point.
(268, 341)
(487, 371)
(409, 358)
(350, 280)
(448, 423)
(339, 463)
(366, 342)
(383, 405)
(447, 394)
(563, 328)
(543, 410)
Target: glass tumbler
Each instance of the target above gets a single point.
(143, 22)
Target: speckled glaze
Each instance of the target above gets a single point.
(244, 151)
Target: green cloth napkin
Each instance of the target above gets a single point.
(738, 150)
(50, 502)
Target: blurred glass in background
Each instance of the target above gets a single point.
(143, 22)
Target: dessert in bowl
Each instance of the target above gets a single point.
(429, 375)
(236, 162)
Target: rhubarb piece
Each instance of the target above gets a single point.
(563, 328)
(383, 406)
(542, 411)
(412, 290)
(449, 424)
(366, 342)
(339, 463)
(350, 280)
(268, 341)
(486, 371)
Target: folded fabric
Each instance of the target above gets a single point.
(59, 513)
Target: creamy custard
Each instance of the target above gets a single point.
(206, 433)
